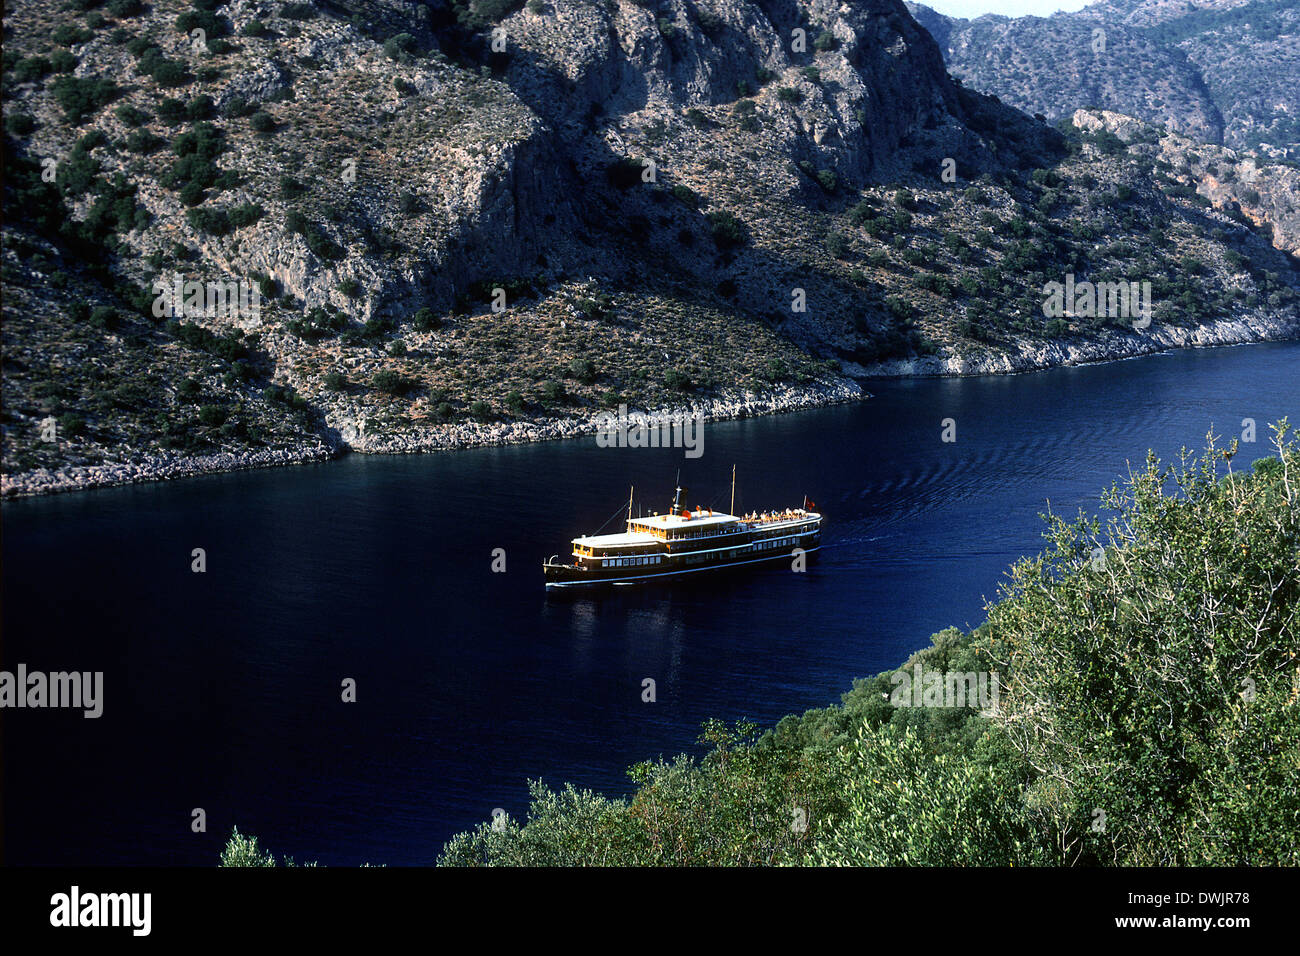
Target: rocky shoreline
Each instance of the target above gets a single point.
(1115, 345)
(1022, 357)
(444, 438)
(44, 481)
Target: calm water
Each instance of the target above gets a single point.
(222, 690)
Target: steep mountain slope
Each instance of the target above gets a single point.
(1221, 71)
(485, 222)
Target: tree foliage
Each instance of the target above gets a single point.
(1153, 666)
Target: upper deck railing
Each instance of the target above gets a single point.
(760, 518)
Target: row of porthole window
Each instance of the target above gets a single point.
(626, 562)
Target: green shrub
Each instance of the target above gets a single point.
(320, 322)
(130, 115)
(393, 383)
(105, 317)
(212, 222)
(192, 194)
(70, 35)
(213, 415)
(583, 369)
(165, 72)
(678, 380)
(905, 200)
(77, 174)
(711, 25)
(236, 107)
(199, 108)
(228, 347)
(245, 215)
(1207, 780)
(171, 110)
(31, 69)
(61, 61)
(19, 124)
(625, 172)
(727, 230)
(80, 96)
(477, 14)
(71, 425)
(212, 25)
(425, 320)
(685, 195)
(553, 393)
(399, 46)
(910, 806)
(244, 851)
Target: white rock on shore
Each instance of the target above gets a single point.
(435, 438)
(740, 405)
(155, 468)
(1029, 355)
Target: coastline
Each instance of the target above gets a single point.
(432, 439)
(1033, 355)
(1022, 356)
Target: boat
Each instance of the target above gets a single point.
(687, 541)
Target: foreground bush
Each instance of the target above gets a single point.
(1153, 667)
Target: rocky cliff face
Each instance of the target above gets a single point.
(1265, 194)
(1221, 71)
(490, 220)
(880, 79)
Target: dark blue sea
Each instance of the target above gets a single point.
(223, 689)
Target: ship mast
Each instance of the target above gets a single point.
(733, 490)
(630, 493)
(677, 497)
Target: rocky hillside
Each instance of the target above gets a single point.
(489, 221)
(1225, 72)
(1265, 193)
